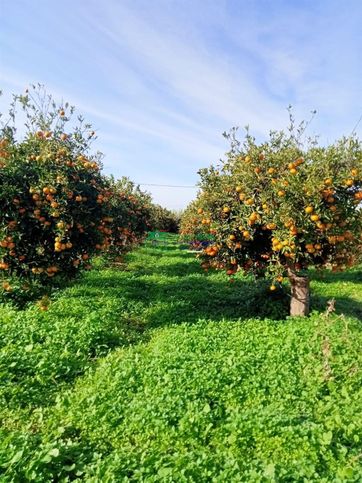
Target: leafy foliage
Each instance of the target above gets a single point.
(57, 209)
(194, 228)
(163, 219)
(129, 217)
(283, 205)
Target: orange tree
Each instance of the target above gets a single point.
(128, 219)
(278, 208)
(194, 227)
(54, 201)
(163, 219)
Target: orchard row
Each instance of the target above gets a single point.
(57, 208)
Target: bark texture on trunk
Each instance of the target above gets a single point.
(299, 302)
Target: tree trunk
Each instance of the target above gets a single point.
(299, 302)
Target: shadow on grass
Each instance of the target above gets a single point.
(354, 276)
(182, 292)
(188, 297)
(170, 254)
(110, 308)
(343, 305)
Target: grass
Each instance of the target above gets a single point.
(160, 372)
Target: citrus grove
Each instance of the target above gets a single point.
(146, 368)
(280, 207)
(57, 208)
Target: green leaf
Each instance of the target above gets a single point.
(206, 408)
(327, 438)
(269, 470)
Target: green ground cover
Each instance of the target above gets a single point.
(156, 371)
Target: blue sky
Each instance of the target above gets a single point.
(161, 80)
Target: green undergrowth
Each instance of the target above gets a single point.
(156, 371)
